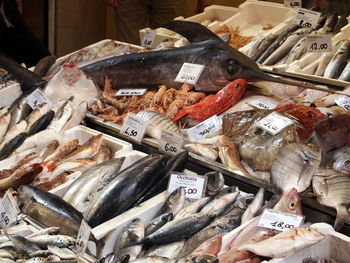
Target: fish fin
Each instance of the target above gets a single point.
(133, 240)
(194, 32)
(342, 216)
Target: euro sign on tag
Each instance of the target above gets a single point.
(36, 98)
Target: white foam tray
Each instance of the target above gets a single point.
(9, 93)
(213, 12)
(82, 133)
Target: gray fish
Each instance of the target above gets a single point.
(342, 21)
(19, 110)
(215, 183)
(192, 208)
(42, 206)
(40, 253)
(48, 231)
(137, 228)
(13, 253)
(294, 166)
(36, 114)
(43, 65)
(41, 123)
(171, 250)
(345, 75)
(36, 260)
(323, 62)
(177, 230)
(63, 253)
(158, 222)
(219, 204)
(174, 202)
(22, 243)
(286, 46)
(157, 123)
(54, 240)
(254, 207)
(338, 61)
(296, 52)
(260, 45)
(332, 189)
(123, 191)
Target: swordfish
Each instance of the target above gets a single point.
(222, 64)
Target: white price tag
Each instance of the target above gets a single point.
(8, 210)
(134, 127)
(171, 143)
(321, 43)
(130, 92)
(263, 104)
(307, 18)
(148, 38)
(280, 221)
(343, 101)
(83, 237)
(293, 3)
(274, 123)
(194, 185)
(207, 128)
(36, 98)
(189, 73)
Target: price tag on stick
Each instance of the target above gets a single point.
(307, 18)
(263, 103)
(8, 210)
(274, 123)
(134, 127)
(130, 92)
(343, 101)
(148, 38)
(210, 126)
(36, 98)
(189, 73)
(171, 143)
(280, 221)
(194, 185)
(83, 237)
(292, 3)
(321, 43)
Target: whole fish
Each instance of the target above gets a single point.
(11, 145)
(77, 117)
(259, 45)
(345, 74)
(296, 52)
(205, 150)
(254, 207)
(42, 206)
(294, 166)
(200, 258)
(43, 65)
(286, 46)
(55, 240)
(63, 253)
(14, 131)
(171, 250)
(158, 222)
(215, 183)
(284, 243)
(157, 122)
(323, 63)
(63, 150)
(36, 114)
(219, 204)
(19, 110)
(137, 228)
(102, 173)
(332, 189)
(338, 61)
(174, 202)
(176, 230)
(222, 63)
(333, 132)
(192, 208)
(22, 243)
(210, 247)
(122, 192)
(61, 117)
(41, 123)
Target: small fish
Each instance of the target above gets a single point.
(19, 110)
(36, 114)
(137, 228)
(22, 243)
(332, 189)
(284, 243)
(41, 123)
(338, 61)
(61, 117)
(48, 231)
(62, 253)
(201, 258)
(207, 151)
(210, 247)
(215, 183)
(78, 115)
(220, 203)
(294, 166)
(54, 240)
(296, 52)
(171, 250)
(323, 62)
(259, 45)
(63, 150)
(151, 259)
(11, 145)
(174, 202)
(345, 74)
(157, 123)
(14, 131)
(254, 207)
(192, 208)
(158, 222)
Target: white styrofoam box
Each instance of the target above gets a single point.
(130, 157)
(9, 93)
(213, 12)
(83, 133)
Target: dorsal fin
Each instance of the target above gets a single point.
(194, 32)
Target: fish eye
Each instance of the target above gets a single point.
(238, 85)
(310, 115)
(331, 126)
(232, 67)
(292, 205)
(347, 162)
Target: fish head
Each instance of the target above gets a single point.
(319, 186)
(333, 132)
(309, 234)
(204, 258)
(311, 154)
(215, 181)
(290, 203)
(244, 201)
(26, 194)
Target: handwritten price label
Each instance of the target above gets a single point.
(207, 128)
(130, 92)
(321, 43)
(134, 127)
(189, 73)
(194, 185)
(36, 98)
(307, 18)
(263, 103)
(280, 221)
(8, 210)
(274, 123)
(171, 143)
(343, 101)
(83, 237)
(292, 3)
(148, 38)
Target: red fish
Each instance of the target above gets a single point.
(234, 255)
(221, 101)
(211, 247)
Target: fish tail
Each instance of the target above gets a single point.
(133, 240)
(342, 215)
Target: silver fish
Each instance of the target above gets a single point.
(171, 250)
(254, 207)
(19, 110)
(22, 243)
(158, 222)
(323, 63)
(36, 114)
(157, 123)
(338, 61)
(192, 208)
(345, 75)
(13, 132)
(137, 228)
(219, 204)
(215, 183)
(63, 253)
(259, 46)
(332, 189)
(174, 202)
(297, 51)
(54, 240)
(294, 166)
(61, 117)
(341, 159)
(151, 259)
(48, 231)
(200, 258)
(77, 117)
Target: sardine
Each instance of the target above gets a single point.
(215, 183)
(296, 52)
(254, 207)
(338, 61)
(158, 222)
(121, 193)
(332, 190)
(22, 243)
(192, 208)
(284, 243)
(63, 253)
(174, 202)
(219, 204)
(137, 228)
(294, 166)
(260, 45)
(54, 240)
